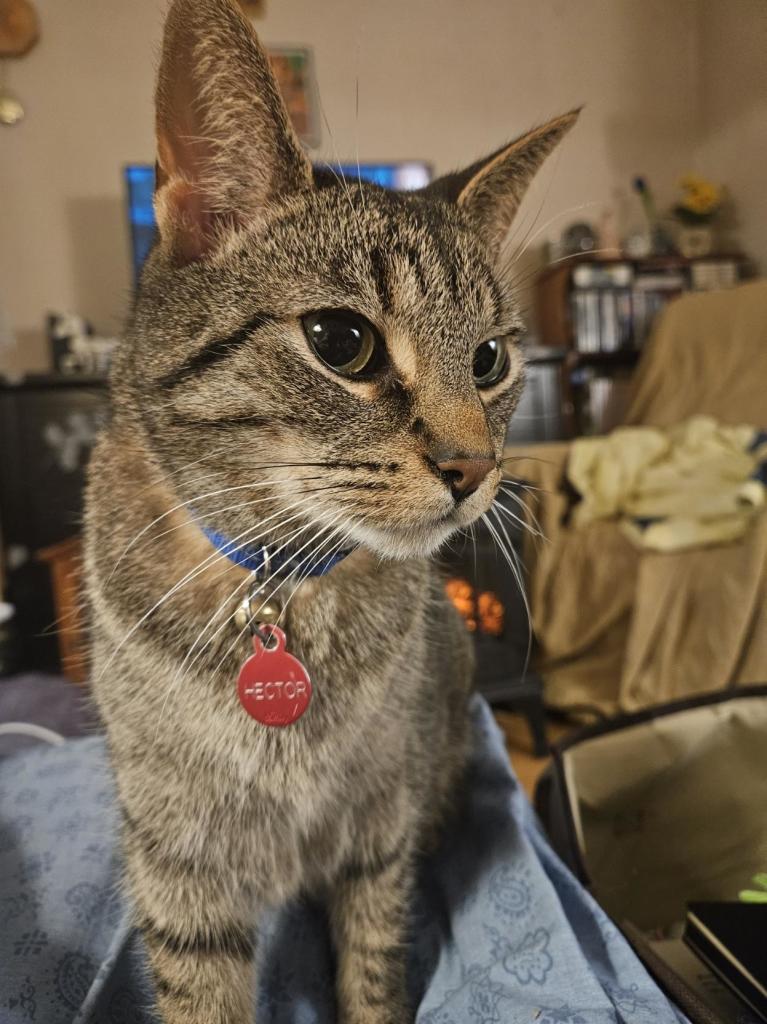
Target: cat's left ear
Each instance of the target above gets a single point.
(491, 190)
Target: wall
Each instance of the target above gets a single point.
(440, 79)
(733, 112)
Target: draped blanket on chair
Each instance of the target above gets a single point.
(502, 933)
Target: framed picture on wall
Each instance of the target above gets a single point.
(293, 68)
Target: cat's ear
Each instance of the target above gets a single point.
(490, 191)
(225, 146)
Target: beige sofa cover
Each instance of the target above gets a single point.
(622, 629)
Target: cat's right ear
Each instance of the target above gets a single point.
(226, 148)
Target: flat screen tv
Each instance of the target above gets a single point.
(139, 183)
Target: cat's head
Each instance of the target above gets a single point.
(325, 354)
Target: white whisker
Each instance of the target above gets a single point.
(201, 566)
(536, 529)
(511, 561)
(253, 617)
(245, 504)
(357, 129)
(276, 551)
(223, 490)
(533, 530)
(526, 244)
(187, 664)
(185, 504)
(316, 556)
(339, 174)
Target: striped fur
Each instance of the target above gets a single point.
(221, 411)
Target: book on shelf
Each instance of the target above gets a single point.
(625, 319)
(602, 319)
(608, 321)
(586, 320)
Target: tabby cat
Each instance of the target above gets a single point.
(318, 367)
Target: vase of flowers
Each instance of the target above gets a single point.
(695, 211)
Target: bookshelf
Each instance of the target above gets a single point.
(601, 312)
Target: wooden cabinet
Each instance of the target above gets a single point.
(64, 561)
(600, 313)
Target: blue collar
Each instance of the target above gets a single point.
(254, 558)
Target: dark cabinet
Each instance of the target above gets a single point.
(48, 426)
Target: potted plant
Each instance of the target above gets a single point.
(695, 210)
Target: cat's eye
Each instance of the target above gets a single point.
(491, 362)
(345, 341)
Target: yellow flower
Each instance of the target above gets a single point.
(699, 195)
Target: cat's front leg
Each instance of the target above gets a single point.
(369, 915)
(195, 920)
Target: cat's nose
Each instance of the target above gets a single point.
(463, 473)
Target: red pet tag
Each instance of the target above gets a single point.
(274, 686)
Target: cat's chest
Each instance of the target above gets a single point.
(302, 804)
(319, 763)
(342, 674)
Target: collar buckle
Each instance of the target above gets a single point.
(257, 608)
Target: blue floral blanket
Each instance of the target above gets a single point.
(502, 933)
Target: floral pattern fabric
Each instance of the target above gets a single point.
(502, 933)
